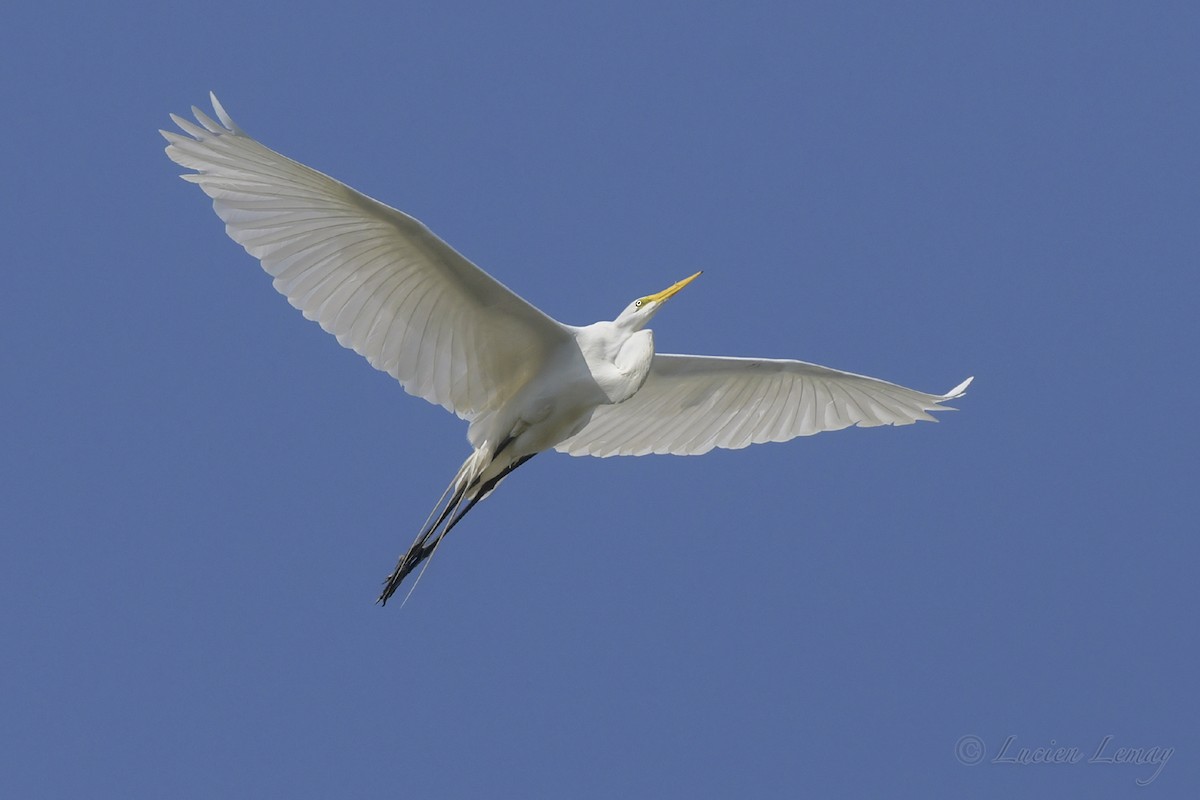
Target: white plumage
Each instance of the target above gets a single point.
(389, 289)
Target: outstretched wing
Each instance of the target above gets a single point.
(691, 404)
(374, 277)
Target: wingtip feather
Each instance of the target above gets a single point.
(206, 121)
(958, 391)
(222, 114)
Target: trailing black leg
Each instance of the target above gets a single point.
(450, 515)
(421, 548)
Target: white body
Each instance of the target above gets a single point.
(600, 364)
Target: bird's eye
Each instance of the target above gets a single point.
(637, 303)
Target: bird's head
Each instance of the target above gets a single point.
(638, 314)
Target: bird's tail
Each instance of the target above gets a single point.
(467, 489)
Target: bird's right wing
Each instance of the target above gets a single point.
(374, 277)
(691, 404)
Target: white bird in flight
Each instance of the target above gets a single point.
(392, 291)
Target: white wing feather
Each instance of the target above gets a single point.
(691, 404)
(374, 277)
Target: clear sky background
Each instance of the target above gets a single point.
(200, 491)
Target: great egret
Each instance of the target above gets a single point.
(388, 288)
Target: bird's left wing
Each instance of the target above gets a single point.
(374, 277)
(691, 404)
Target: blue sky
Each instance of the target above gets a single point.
(201, 491)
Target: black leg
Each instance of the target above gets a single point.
(423, 548)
